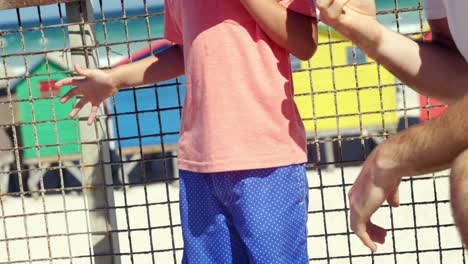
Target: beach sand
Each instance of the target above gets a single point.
(336, 245)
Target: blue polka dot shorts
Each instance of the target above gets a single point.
(254, 216)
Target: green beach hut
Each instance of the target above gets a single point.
(46, 131)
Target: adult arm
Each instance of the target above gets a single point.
(295, 32)
(96, 85)
(435, 69)
(425, 148)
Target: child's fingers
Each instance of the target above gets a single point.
(333, 8)
(83, 71)
(78, 108)
(72, 93)
(93, 114)
(324, 4)
(65, 82)
(336, 8)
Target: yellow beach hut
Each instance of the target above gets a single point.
(342, 91)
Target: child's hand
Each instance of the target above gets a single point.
(94, 85)
(344, 12)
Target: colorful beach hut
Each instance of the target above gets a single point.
(421, 108)
(344, 90)
(146, 120)
(47, 135)
(45, 127)
(7, 156)
(431, 108)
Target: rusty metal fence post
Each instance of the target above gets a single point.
(97, 177)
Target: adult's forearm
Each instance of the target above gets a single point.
(431, 69)
(295, 32)
(427, 147)
(161, 67)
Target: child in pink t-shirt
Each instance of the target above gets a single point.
(242, 148)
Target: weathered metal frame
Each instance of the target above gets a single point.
(103, 222)
(10, 4)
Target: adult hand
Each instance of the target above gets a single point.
(376, 183)
(94, 85)
(336, 12)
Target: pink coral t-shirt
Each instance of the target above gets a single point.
(239, 111)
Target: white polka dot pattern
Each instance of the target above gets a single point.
(254, 216)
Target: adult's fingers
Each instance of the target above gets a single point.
(393, 199)
(376, 233)
(359, 226)
(78, 107)
(361, 231)
(72, 93)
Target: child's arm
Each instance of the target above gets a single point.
(162, 67)
(295, 32)
(434, 69)
(95, 85)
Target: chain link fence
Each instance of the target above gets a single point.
(108, 193)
